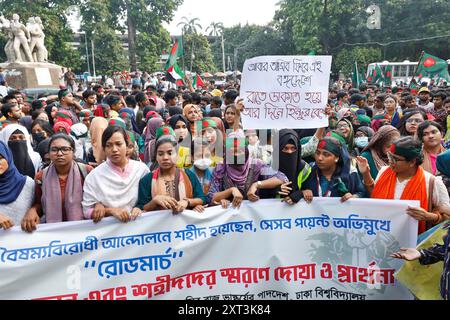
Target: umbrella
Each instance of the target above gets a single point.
(207, 75)
(220, 74)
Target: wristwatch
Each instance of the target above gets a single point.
(258, 185)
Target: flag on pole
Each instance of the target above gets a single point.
(431, 66)
(387, 81)
(176, 52)
(357, 78)
(375, 75)
(198, 82)
(176, 73)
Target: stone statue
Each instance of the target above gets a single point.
(5, 26)
(21, 40)
(37, 47)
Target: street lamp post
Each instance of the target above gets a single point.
(93, 58)
(87, 51)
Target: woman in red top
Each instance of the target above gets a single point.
(59, 188)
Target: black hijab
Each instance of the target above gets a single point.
(21, 157)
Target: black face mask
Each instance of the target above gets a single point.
(38, 137)
(22, 160)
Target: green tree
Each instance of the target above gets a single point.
(346, 58)
(143, 16)
(215, 29)
(190, 26)
(198, 45)
(96, 22)
(57, 34)
(149, 49)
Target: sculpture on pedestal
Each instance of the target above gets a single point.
(25, 43)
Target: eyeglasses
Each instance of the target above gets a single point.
(394, 159)
(342, 126)
(64, 150)
(418, 121)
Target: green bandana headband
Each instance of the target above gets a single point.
(164, 131)
(235, 142)
(408, 153)
(206, 123)
(328, 145)
(117, 122)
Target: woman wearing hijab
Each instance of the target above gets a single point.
(27, 161)
(240, 177)
(134, 127)
(51, 111)
(98, 126)
(16, 190)
(59, 187)
(363, 135)
(345, 129)
(42, 149)
(405, 179)
(332, 175)
(291, 164)
(152, 125)
(378, 147)
(62, 127)
(112, 188)
(169, 187)
(380, 120)
(191, 112)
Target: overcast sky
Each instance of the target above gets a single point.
(229, 12)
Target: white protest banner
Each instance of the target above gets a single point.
(285, 92)
(264, 250)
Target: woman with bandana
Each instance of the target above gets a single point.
(332, 174)
(240, 177)
(405, 179)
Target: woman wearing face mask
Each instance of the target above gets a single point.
(112, 188)
(362, 138)
(411, 121)
(40, 130)
(202, 167)
(376, 151)
(291, 164)
(16, 190)
(240, 177)
(169, 187)
(332, 174)
(59, 187)
(27, 161)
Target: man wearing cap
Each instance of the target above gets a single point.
(424, 100)
(66, 102)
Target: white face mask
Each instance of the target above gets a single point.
(202, 164)
(362, 142)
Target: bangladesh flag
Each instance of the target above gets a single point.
(388, 76)
(177, 51)
(375, 75)
(357, 76)
(198, 82)
(432, 67)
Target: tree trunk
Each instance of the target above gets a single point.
(131, 39)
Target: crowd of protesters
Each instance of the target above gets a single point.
(113, 150)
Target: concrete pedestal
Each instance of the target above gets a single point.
(28, 75)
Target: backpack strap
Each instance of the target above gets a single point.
(83, 169)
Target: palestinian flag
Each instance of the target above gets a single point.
(387, 81)
(175, 72)
(431, 67)
(176, 52)
(375, 75)
(198, 82)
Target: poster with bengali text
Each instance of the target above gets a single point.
(267, 250)
(285, 92)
